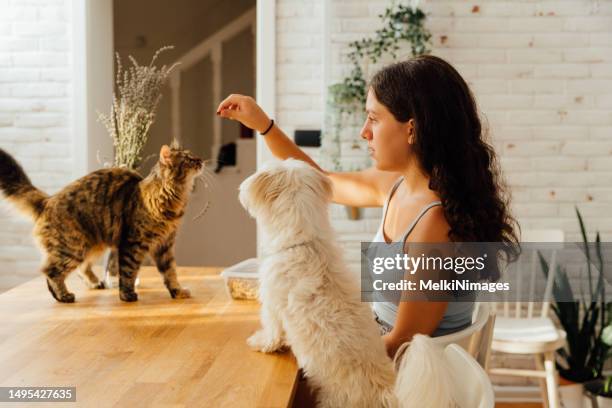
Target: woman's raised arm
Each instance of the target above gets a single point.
(366, 188)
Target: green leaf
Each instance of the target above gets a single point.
(606, 335)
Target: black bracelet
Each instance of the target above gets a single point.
(269, 127)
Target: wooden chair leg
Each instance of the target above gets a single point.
(539, 362)
(552, 383)
(305, 396)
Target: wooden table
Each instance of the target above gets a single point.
(154, 352)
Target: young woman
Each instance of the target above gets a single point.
(434, 174)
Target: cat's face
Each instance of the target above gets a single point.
(179, 164)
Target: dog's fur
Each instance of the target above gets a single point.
(310, 300)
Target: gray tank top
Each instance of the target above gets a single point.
(458, 315)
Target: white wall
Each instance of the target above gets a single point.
(93, 77)
(142, 27)
(35, 114)
(37, 95)
(541, 72)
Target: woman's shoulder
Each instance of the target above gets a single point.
(432, 227)
(384, 181)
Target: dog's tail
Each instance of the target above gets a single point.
(18, 189)
(423, 377)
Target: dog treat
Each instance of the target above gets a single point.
(241, 280)
(242, 288)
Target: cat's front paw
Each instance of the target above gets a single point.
(261, 341)
(63, 297)
(128, 296)
(180, 293)
(66, 298)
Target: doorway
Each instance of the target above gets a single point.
(225, 234)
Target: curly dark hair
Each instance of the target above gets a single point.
(451, 148)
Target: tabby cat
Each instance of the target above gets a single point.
(114, 208)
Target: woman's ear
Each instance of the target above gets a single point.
(410, 128)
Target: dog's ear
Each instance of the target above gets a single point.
(266, 188)
(322, 186)
(326, 186)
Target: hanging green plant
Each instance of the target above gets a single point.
(401, 23)
(345, 99)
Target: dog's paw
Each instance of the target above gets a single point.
(180, 293)
(260, 341)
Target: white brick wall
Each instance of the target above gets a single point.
(541, 72)
(542, 75)
(35, 87)
(299, 68)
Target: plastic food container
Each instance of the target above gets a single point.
(241, 280)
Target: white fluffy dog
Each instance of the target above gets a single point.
(311, 302)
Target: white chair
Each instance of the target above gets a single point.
(475, 339)
(472, 387)
(434, 375)
(519, 329)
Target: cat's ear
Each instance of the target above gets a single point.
(164, 155)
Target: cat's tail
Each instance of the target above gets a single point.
(423, 378)
(17, 188)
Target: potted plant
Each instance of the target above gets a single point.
(138, 92)
(584, 322)
(400, 24)
(600, 390)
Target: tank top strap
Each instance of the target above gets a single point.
(418, 218)
(391, 192)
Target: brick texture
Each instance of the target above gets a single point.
(35, 88)
(541, 73)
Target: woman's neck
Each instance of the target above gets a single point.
(415, 179)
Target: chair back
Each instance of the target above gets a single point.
(462, 337)
(475, 339)
(480, 343)
(526, 278)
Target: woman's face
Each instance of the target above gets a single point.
(389, 141)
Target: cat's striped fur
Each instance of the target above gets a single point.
(114, 208)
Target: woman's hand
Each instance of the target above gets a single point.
(245, 110)
(365, 188)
